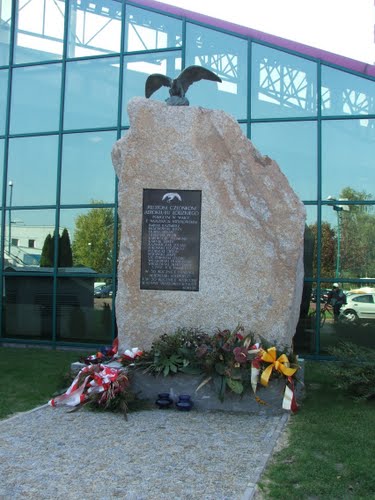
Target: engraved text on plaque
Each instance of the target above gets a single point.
(170, 239)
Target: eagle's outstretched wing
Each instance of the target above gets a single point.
(194, 74)
(154, 82)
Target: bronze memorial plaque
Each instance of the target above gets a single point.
(170, 239)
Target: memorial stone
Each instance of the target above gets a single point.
(211, 231)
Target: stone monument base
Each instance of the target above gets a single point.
(147, 387)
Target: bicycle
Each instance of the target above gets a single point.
(324, 310)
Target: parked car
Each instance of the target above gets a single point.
(103, 291)
(359, 307)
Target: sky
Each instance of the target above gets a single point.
(344, 27)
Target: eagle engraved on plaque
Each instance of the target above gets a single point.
(170, 250)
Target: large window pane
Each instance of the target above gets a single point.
(356, 322)
(310, 242)
(226, 56)
(3, 98)
(81, 316)
(5, 26)
(36, 99)
(282, 85)
(2, 144)
(39, 30)
(305, 337)
(25, 236)
(294, 147)
(95, 177)
(28, 307)
(94, 27)
(91, 97)
(304, 340)
(92, 234)
(346, 94)
(348, 242)
(32, 168)
(136, 70)
(147, 30)
(348, 152)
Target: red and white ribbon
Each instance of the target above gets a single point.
(98, 379)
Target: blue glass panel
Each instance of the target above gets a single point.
(28, 307)
(282, 85)
(39, 30)
(94, 27)
(3, 99)
(91, 234)
(293, 145)
(305, 337)
(81, 316)
(137, 68)
(94, 179)
(35, 99)
(2, 145)
(244, 128)
(349, 245)
(32, 167)
(25, 236)
(304, 340)
(348, 235)
(226, 56)
(5, 27)
(147, 30)
(346, 94)
(310, 243)
(348, 152)
(91, 97)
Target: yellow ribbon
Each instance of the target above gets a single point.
(281, 364)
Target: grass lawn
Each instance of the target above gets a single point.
(29, 377)
(330, 450)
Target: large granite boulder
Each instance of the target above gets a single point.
(252, 227)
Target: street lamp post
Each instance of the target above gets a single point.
(338, 209)
(10, 184)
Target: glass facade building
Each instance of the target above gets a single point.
(68, 69)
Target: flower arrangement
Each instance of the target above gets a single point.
(231, 358)
(100, 387)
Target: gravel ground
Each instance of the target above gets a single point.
(156, 454)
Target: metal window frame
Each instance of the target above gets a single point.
(319, 203)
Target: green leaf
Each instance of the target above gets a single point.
(235, 385)
(236, 373)
(173, 368)
(220, 368)
(222, 388)
(166, 370)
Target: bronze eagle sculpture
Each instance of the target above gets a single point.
(178, 86)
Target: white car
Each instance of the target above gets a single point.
(359, 307)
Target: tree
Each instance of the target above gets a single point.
(328, 252)
(93, 239)
(65, 250)
(357, 236)
(351, 194)
(46, 258)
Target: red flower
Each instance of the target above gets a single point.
(257, 362)
(240, 354)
